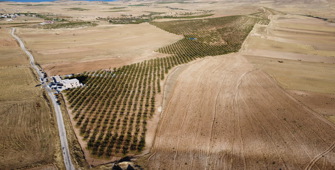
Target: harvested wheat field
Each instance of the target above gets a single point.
(10, 55)
(27, 123)
(298, 52)
(65, 51)
(293, 37)
(223, 113)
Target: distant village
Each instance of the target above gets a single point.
(11, 16)
(15, 15)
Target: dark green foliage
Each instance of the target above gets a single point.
(78, 9)
(205, 37)
(184, 17)
(69, 25)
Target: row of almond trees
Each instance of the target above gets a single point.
(113, 108)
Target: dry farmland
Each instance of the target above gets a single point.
(298, 52)
(223, 113)
(234, 111)
(63, 51)
(27, 122)
(113, 110)
(176, 85)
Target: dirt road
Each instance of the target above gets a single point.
(222, 113)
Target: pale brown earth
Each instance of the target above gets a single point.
(298, 75)
(65, 51)
(299, 52)
(308, 37)
(28, 126)
(303, 7)
(224, 113)
(319, 102)
(10, 55)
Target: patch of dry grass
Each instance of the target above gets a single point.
(27, 134)
(10, 56)
(18, 84)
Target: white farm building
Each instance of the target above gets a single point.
(70, 83)
(59, 84)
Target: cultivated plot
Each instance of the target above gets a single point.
(27, 122)
(223, 113)
(113, 109)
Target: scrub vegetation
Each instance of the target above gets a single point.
(78, 9)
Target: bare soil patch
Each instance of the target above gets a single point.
(319, 102)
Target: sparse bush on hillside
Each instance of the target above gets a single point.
(78, 9)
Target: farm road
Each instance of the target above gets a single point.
(60, 123)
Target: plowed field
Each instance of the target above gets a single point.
(223, 113)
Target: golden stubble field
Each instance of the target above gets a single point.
(27, 122)
(299, 53)
(65, 51)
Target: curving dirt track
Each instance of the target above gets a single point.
(222, 113)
